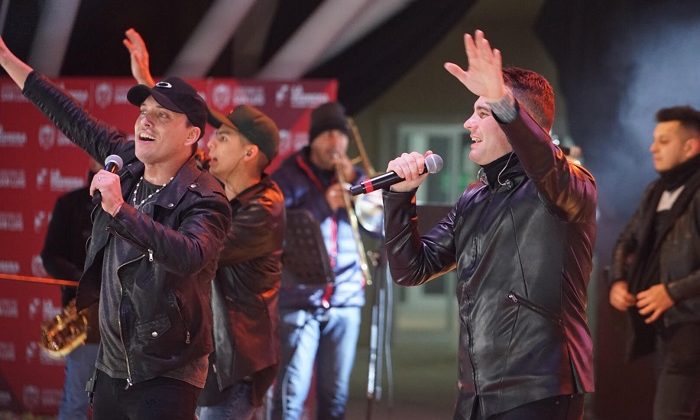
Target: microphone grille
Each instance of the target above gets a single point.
(114, 159)
(433, 163)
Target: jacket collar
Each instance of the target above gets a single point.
(185, 179)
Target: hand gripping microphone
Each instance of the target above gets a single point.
(113, 163)
(433, 165)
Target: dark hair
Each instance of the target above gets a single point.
(688, 116)
(533, 92)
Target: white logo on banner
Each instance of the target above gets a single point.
(38, 269)
(7, 351)
(31, 351)
(9, 308)
(11, 221)
(285, 142)
(12, 138)
(221, 97)
(249, 95)
(48, 309)
(120, 94)
(30, 396)
(11, 93)
(57, 181)
(9, 267)
(80, 95)
(41, 176)
(47, 137)
(281, 95)
(302, 99)
(13, 178)
(103, 95)
(64, 182)
(39, 218)
(33, 307)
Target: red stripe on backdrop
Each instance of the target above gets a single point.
(38, 164)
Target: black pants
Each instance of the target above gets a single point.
(563, 407)
(160, 398)
(678, 385)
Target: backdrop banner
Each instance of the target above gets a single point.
(38, 164)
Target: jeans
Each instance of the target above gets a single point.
(326, 338)
(236, 404)
(160, 398)
(678, 383)
(80, 364)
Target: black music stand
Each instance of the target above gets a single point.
(305, 258)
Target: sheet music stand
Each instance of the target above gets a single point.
(305, 258)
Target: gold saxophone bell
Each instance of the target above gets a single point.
(65, 332)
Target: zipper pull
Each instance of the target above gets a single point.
(128, 384)
(512, 297)
(150, 255)
(187, 338)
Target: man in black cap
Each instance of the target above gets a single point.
(155, 242)
(245, 290)
(320, 323)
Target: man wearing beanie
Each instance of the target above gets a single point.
(244, 293)
(656, 265)
(320, 323)
(156, 237)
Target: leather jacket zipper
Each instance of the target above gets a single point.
(129, 382)
(121, 333)
(184, 320)
(519, 300)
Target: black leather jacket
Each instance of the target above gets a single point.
(245, 291)
(523, 255)
(173, 255)
(679, 257)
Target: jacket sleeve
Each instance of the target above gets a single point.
(257, 229)
(197, 240)
(414, 260)
(688, 286)
(98, 139)
(624, 250)
(567, 188)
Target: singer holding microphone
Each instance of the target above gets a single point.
(156, 238)
(521, 241)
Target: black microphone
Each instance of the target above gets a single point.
(113, 163)
(433, 165)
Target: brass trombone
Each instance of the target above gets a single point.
(364, 212)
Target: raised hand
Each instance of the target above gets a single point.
(138, 53)
(484, 74)
(17, 69)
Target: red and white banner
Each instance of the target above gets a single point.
(38, 164)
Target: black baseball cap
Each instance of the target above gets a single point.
(176, 95)
(255, 126)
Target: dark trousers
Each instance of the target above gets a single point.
(563, 407)
(159, 398)
(678, 384)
